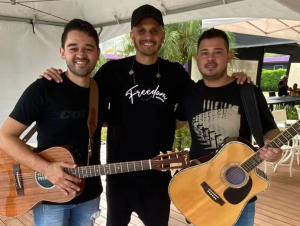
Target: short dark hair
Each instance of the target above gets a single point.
(79, 25)
(213, 33)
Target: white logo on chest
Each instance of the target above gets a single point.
(154, 94)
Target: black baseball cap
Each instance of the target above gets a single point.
(146, 11)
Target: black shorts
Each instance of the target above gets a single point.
(151, 203)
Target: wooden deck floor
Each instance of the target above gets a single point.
(279, 205)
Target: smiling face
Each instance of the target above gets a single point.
(212, 58)
(80, 52)
(147, 36)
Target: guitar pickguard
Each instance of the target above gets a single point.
(236, 195)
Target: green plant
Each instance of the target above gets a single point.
(270, 78)
(291, 113)
(180, 42)
(103, 133)
(102, 60)
(182, 138)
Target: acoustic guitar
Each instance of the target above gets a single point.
(21, 188)
(215, 192)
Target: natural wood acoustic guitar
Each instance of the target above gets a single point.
(215, 192)
(21, 188)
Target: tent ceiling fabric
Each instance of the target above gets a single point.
(107, 14)
(246, 41)
(276, 28)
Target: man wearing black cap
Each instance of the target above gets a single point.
(141, 92)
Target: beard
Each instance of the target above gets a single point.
(146, 52)
(214, 74)
(80, 72)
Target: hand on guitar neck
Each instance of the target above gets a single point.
(270, 154)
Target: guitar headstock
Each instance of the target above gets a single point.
(171, 160)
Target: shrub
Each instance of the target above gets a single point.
(270, 78)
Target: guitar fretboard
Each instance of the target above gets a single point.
(277, 142)
(107, 169)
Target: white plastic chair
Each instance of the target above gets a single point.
(297, 148)
(298, 112)
(280, 116)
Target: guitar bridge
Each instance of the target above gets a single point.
(212, 194)
(18, 179)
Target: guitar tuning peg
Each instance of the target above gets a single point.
(169, 152)
(160, 153)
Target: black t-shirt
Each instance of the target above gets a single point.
(61, 112)
(215, 114)
(283, 90)
(141, 119)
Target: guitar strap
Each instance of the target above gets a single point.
(251, 110)
(93, 115)
(29, 134)
(92, 118)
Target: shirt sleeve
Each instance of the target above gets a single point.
(184, 82)
(266, 117)
(31, 104)
(180, 112)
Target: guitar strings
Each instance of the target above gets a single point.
(107, 169)
(291, 132)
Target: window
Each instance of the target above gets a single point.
(278, 67)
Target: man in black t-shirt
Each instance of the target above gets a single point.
(141, 92)
(283, 87)
(214, 110)
(61, 112)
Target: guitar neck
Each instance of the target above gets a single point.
(108, 169)
(277, 142)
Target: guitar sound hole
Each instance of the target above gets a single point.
(235, 175)
(42, 181)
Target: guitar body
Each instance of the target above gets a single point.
(215, 193)
(21, 191)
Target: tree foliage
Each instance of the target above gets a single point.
(270, 78)
(182, 138)
(102, 60)
(180, 43)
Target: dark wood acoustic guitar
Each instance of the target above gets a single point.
(21, 188)
(214, 193)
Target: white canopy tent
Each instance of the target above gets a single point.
(266, 27)
(30, 30)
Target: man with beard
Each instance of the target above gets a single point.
(141, 92)
(55, 108)
(217, 96)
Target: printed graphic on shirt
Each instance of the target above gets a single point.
(145, 94)
(218, 122)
